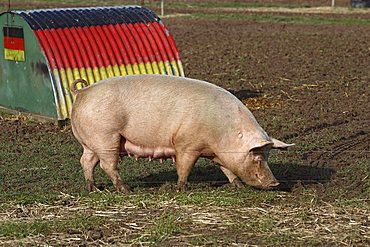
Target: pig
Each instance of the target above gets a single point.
(162, 116)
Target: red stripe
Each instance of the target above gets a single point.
(79, 33)
(144, 38)
(120, 45)
(158, 41)
(67, 41)
(63, 54)
(171, 41)
(122, 35)
(135, 49)
(91, 39)
(73, 46)
(152, 42)
(164, 41)
(110, 46)
(13, 43)
(79, 47)
(139, 43)
(46, 48)
(96, 33)
(53, 48)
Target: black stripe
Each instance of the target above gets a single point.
(79, 17)
(13, 32)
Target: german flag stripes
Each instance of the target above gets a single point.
(13, 43)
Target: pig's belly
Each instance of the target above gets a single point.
(162, 153)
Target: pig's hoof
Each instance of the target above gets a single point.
(124, 188)
(90, 186)
(237, 183)
(181, 186)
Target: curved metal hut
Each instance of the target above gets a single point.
(44, 51)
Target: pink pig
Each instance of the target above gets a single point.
(159, 117)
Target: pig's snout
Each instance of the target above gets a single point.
(272, 185)
(268, 183)
(260, 178)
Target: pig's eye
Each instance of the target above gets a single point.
(258, 158)
(240, 135)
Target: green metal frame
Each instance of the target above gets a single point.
(26, 86)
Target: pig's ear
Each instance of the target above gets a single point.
(279, 144)
(258, 145)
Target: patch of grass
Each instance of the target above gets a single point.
(77, 223)
(80, 223)
(225, 197)
(357, 189)
(281, 239)
(264, 225)
(26, 198)
(4, 113)
(225, 4)
(24, 229)
(152, 199)
(205, 240)
(267, 18)
(168, 224)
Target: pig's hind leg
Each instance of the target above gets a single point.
(109, 158)
(88, 161)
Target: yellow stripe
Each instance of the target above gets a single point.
(122, 68)
(174, 68)
(116, 70)
(155, 68)
(168, 68)
(162, 69)
(136, 69)
(69, 75)
(96, 74)
(90, 75)
(76, 73)
(65, 86)
(83, 76)
(61, 104)
(14, 55)
(181, 68)
(149, 68)
(129, 69)
(103, 73)
(109, 70)
(70, 80)
(142, 68)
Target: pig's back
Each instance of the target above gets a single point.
(152, 108)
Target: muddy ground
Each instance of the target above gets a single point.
(306, 84)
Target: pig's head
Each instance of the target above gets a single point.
(253, 168)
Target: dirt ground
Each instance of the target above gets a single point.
(305, 84)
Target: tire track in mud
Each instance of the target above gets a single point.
(351, 145)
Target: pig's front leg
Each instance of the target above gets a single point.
(234, 180)
(184, 163)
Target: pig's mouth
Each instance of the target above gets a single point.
(261, 183)
(269, 186)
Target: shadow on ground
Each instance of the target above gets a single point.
(289, 176)
(245, 94)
